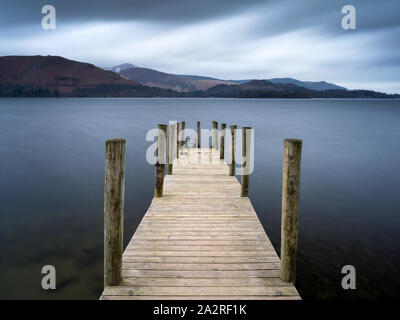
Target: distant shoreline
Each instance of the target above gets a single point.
(204, 98)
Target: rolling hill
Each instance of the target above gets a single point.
(188, 83)
(268, 89)
(57, 76)
(154, 78)
(312, 85)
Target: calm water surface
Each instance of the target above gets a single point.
(52, 171)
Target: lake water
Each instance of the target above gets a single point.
(52, 171)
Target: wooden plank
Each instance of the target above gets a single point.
(187, 253)
(206, 237)
(199, 274)
(163, 247)
(199, 291)
(200, 233)
(200, 267)
(140, 243)
(185, 259)
(205, 282)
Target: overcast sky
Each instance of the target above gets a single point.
(228, 39)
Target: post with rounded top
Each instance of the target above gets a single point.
(177, 139)
(160, 161)
(222, 141)
(114, 189)
(246, 146)
(214, 144)
(232, 165)
(290, 208)
(198, 135)
(171, 146)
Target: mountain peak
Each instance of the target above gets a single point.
(120, 67)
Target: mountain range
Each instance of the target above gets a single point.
(53, 76)
(188, 83)
(154, 78)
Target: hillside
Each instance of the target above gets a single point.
(267, 89)
(154, 78)
(312, 85)
(57, 76)
(188, 83)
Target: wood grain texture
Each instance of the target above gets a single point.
(114, 189)
(200, 240)
(232, 163)
(290, 207)
(171, 155)
(222, 142)
(160, 161)
(198, 134)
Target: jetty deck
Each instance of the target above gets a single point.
(201, 240)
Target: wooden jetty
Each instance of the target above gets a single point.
(199, 240)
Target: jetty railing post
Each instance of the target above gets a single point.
(171, 146)
(183, 138)
(290, 208)
(198, 134)
(177, 139)
(160, 162)
(222, 142)
(232, 165)
(214, 143)
(114, 189)
(246, 146)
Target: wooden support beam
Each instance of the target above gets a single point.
(232, 165)
(214, 144)
(198, 135)
(171, 146)
(290, 208)
(160, 162)
(177, 140)
(183, 137)
(222, 142)
(246, 147)
(114, 189)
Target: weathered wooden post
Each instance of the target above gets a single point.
(177, 140)
(198, 134)
(171, 146)
(290, 208)
(222, 141)
(183, 138)
(160, 161)
(232, 165)
(246, 147)
(114, 189)
(214, 143)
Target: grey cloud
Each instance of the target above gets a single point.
(223, 38)
(169, 11)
